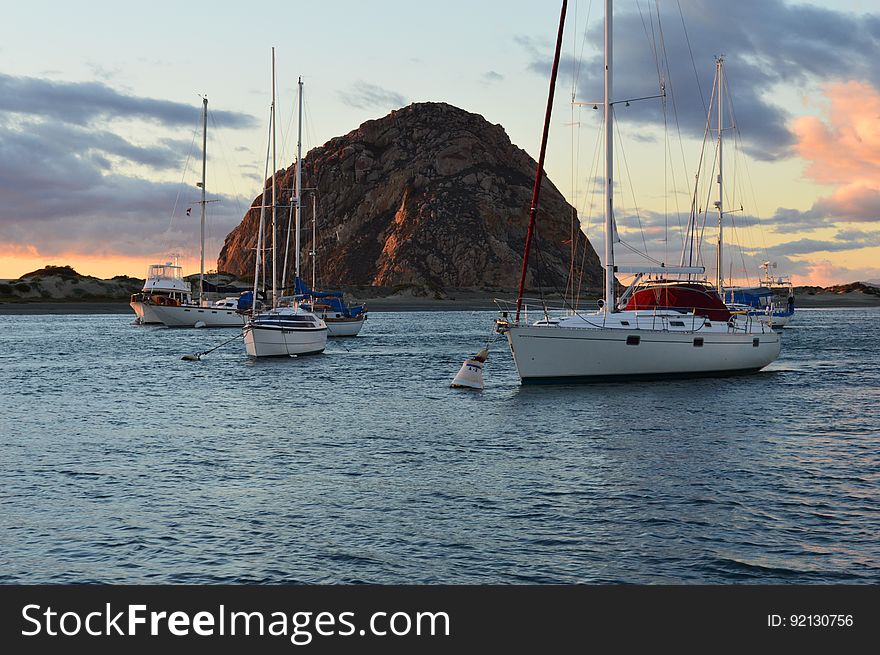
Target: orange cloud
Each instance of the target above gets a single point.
(825, 273)
(845, 149)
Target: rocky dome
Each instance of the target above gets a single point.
(430, 196)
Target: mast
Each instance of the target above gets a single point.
(314, 240)
(274, 203)
(258, 255)
(536, 191)
(719, 73)
(202, 185)
(298, 176)
(609, 170)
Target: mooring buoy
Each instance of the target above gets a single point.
(470, 376)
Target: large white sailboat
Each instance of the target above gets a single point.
(282, 330)
(613, 344)
(199, 313)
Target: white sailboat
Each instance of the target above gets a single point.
(342, 319)
(283, 330)
(627, 344)
(199, 313)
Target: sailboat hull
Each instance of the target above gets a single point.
(552, 354)
(278, 341)
(344, 327)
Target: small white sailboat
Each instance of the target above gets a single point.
(282, 330)
(199, 313)
(613, 344)
(342, 319)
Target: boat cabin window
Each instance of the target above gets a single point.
(676, 323)
(624, 322)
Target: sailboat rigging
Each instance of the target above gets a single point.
(284, 329)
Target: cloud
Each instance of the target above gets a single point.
(490, 77)
(846, 148)
(843, 150)
(368, 96)
(66, 150)
(769, 43)
(86, 103)
(840, 243)
(825, 273)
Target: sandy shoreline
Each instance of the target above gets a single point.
(465, 302)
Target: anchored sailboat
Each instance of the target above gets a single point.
(283, 330)
(612, 343)
(342, 318)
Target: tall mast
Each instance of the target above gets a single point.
(298, 175)
(274, 202)
(536, 191)
(719, 73)
(609, 181)
(314, 239)
(259, 255)
(202, 225)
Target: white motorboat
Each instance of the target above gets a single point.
(163, 287)
(611, 344)
(773, 298)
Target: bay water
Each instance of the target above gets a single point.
(122, 463)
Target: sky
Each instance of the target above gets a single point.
(100, 123)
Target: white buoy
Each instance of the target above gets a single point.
(471, 374)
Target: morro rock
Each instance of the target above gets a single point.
(430, 197)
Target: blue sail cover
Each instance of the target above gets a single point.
(758, 297)
(333, 299)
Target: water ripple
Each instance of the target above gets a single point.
(120, 463)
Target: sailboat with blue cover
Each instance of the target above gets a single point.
(342, 319)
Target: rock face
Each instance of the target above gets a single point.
(429, 197)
